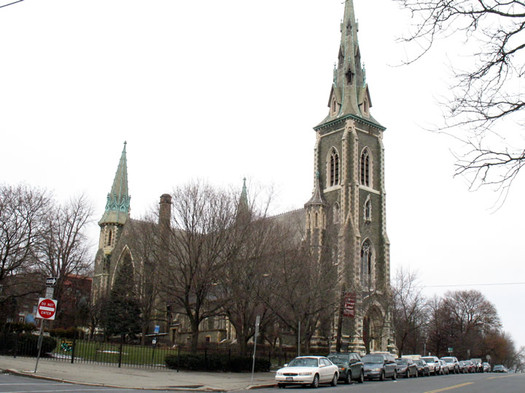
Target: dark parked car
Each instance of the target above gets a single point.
(351, 367)
(406, 367)
(422, 368)
(379, 365)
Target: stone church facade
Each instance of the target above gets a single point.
(345, 219)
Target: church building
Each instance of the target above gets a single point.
(344, 220)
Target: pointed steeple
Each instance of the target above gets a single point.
(349, 96)
(243, 210)
(118, 200)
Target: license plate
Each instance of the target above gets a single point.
(289, 379)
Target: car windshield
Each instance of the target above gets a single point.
(372, 359)
(428, 360)
(339, 358)
(303, 362)
(401, 361)
(448, 360)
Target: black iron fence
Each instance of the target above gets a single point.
(75, 350)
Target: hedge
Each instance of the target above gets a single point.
(215, 362)
(25, 344)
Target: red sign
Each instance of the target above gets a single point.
(349, 305)
(46, 308)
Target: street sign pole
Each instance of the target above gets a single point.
(257, 323)
(39, 346)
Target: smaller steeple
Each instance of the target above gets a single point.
(118, 199)
(317, 198)
(244, 213)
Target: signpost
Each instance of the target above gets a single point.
(257, 323)
(46, 309)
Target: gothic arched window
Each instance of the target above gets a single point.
(334, 168)
(367, 213)
(366, 168)
(366, 263)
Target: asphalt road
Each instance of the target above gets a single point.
(462, 383)
(19, 384)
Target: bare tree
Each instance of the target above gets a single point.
(198, 247)
(22, 213)
(409, 312)
(64, 249)
(144, 241)
(302, 291)
(244, 277)
(487, 96)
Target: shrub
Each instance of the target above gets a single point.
(66, 333)
(25, 344)
(216, 362)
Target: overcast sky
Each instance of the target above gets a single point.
(221, 90)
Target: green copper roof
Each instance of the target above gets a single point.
(118, 200)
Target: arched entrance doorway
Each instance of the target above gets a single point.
(373, 323)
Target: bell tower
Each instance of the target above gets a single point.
(347, 209)
(116, 214)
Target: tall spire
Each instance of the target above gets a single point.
(349, 96)
(118, 200)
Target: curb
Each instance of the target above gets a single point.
(166, 388)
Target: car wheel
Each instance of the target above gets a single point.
(348, 378)
(361, 377)
(334, 380)
(382, 376)
(394, 375)
(416, 374)
(315, 382)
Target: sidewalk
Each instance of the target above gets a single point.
(139, 378)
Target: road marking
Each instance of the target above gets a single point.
(450, 387)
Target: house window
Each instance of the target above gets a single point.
(366, 164)
(366, 264)
(334, 168)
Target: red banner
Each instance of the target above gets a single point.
(349, 305)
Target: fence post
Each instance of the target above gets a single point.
(73, 348)
(16, 344)
(120, 350)
(178, 358)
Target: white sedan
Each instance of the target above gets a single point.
(308, 370)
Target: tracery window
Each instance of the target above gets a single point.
(366, 263)
(366, 168)
(334, 168)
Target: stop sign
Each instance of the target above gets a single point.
(46, 308)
